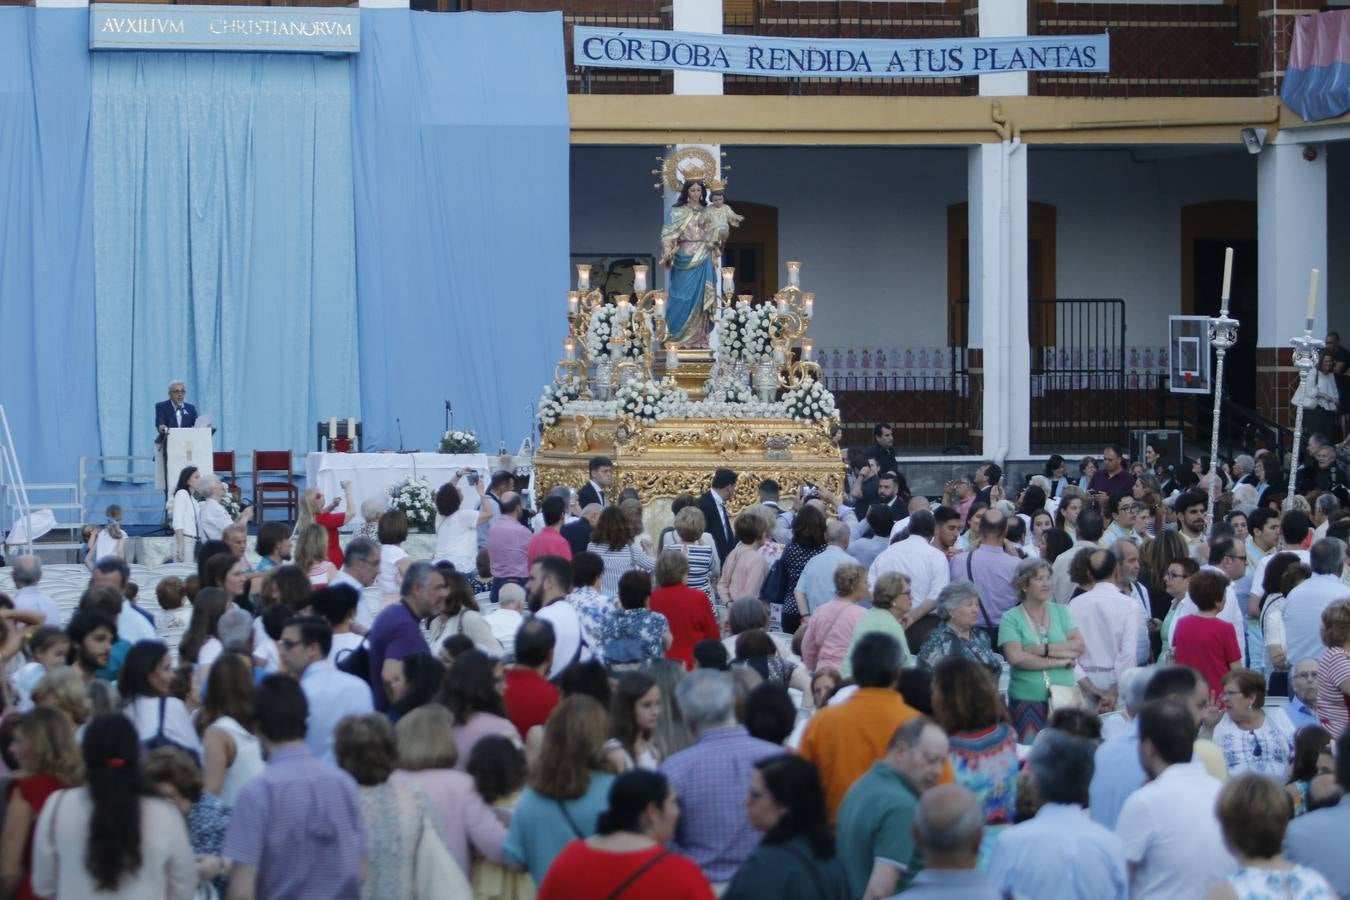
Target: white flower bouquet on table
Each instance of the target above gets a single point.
(459, 442)
(601, 329)
(553, 405)
(647, 401)
(416, 498)
(809, 402)
(745, 334)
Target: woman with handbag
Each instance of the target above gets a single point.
(1040, 642)
(408, 853)
(626, 857)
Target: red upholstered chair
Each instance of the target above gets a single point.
(222, 463)
(274, 494)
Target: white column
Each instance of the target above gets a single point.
(1291, 235)
(1003, 18)
(997, 184)
(705, 17)
(997, 190)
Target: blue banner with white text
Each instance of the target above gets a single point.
(749, 54)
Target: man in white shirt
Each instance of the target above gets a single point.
(1303, 609)
(27, 573)
(1227, 557)
(132, 624)
(1294, 528)
(506, 618)
(918, 560)
(360, 566)
(1108, 622)
(1090, 530)
(331, 693)
(1173, 844)
(550, 577)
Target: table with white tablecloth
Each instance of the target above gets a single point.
(372, 473)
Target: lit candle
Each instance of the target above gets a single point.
(809, 305)
(672, 355)
(639, 279)
(583, 277)
(332, 428)
(1227, 276)
(621, 302)
(779, 355)
(794, 274)
(728, 280)
(1312, 297)
(351, 430)
(807, 346)
(569, 349)
(659, 307)
(744, 299)
(573, 298)
(782, 303)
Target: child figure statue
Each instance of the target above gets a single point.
(721, 218)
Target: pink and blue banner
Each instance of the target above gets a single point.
(1317, 79)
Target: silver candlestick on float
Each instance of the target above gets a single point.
(1222, 336)
(1307, 349)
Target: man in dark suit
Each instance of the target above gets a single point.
(987, 477)
(578, 531)
(884, 449)
(175, 412)
(715, 515)
(602, 476)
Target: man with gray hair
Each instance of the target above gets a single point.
(712, 777)
(1127, 579)
(918, 560)
(948, 829)
(1132, 686)
(815, 587)
(27, 572)
(397, 631)
(1303, 609)
(1061, 770)
(875, 843)
(360, 567)
(1323, 507)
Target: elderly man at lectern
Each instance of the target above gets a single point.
(175, 412)
(192, 446)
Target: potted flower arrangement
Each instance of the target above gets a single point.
(459, 442)
(416, 498)
(809, 402)
(556, 397)
(745, 334)
(601, 330)
(647, 401)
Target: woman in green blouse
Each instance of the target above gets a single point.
(1041, 643)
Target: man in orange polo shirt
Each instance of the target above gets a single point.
(845, 740)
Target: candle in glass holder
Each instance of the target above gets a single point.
(569, 349)
(639, 279)
(744, 299)
(1312, 296)
(621, 303)
(351, 429)
(583, 277)
(573, 299)
(779, 354)
(728, 280)
(672, 355)
(794, 274)
(808, 305)
(659, 307)
(332, 428)
(782, 303)
(807, 346)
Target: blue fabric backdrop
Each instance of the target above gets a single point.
(461, 157)
(224, 243)
(46, 240)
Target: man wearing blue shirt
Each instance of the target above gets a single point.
(331, 693)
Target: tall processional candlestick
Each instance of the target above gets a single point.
(1306, 351)
(1222, 336)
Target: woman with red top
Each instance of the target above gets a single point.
(44, 747)
(627, 857)
(314, 512)
(1202, 640)
(687, 610)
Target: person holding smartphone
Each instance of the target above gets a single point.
(457, 525)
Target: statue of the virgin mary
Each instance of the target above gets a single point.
(690, 250)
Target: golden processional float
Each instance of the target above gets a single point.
(674, 384)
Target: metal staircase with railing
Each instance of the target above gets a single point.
(19, 500)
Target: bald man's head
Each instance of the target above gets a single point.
(949, 826)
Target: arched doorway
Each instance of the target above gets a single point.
(753, 250)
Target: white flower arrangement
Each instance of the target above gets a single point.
(647, 401)
(600, 330)
(809, 402)
(557, 397)
(459, 442)
(417, 500)
(745, 333)
(229, 503)
(722, 388)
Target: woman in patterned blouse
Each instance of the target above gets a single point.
(634, 635)
(808, 539)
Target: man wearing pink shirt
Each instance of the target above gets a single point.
(1109, 624)
(549, 541)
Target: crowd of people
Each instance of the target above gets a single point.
(1082, 689)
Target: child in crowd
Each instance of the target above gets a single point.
(47, 649)
(498, 769)
(191, 585)
(169, 592)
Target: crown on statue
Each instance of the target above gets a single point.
(679, 167)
